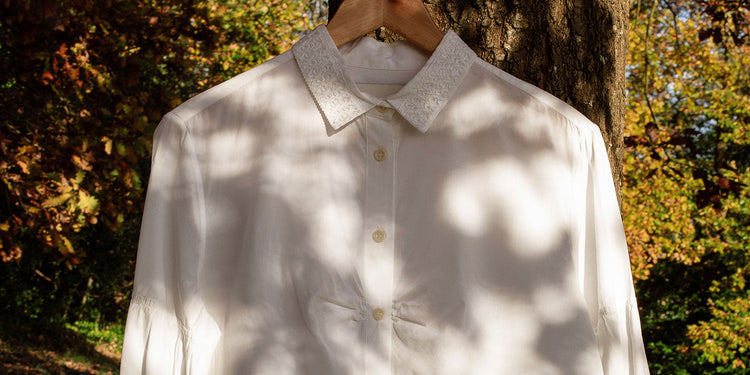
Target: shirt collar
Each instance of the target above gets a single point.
(419, 101)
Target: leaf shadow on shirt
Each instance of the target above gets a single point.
(483, 276)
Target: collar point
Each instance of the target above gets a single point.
(423, 128)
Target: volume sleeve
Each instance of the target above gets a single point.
(166, 311)
(604, 267)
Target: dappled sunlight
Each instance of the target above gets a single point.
(500, 193)
(464, 209)
(482, 255)
(483, 95)
(336, 251)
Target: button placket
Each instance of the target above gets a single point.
(377, 261)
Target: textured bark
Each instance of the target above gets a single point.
(574, 49)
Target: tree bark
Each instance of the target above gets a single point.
(574, 49)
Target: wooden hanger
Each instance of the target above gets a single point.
(408, 18)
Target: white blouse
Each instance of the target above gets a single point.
(372, 209)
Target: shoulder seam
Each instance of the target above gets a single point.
(178, 119)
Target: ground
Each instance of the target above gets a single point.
(73, 349)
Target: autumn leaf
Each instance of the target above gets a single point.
(87, 203)
(81, 163)
(107, 145)
(47, 78)
(63, 244)
(56, 201)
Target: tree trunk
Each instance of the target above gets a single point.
(575, 50)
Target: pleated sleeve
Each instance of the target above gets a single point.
(604, 265)
(166, 313)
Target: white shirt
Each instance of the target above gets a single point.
(376, 210)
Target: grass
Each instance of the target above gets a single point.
(80, 348)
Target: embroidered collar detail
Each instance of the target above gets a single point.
(419, 101)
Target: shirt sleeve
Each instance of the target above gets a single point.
(166, 310)
(605, 269)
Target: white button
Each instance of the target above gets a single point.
(381, 108)
(380, 154)
(378, 313)
(378, 235)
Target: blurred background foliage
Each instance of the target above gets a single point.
(686, 186)
(83, 84)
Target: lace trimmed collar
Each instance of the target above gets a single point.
(419, 101)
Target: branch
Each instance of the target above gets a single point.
(647, 63)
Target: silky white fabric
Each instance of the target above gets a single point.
(375, 210)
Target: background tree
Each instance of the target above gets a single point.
(687, 182)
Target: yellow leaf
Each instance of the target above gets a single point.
(81, 163)
(107, 145)
(87, 203)
(56, 201)
(64, 246)
(24, 166)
